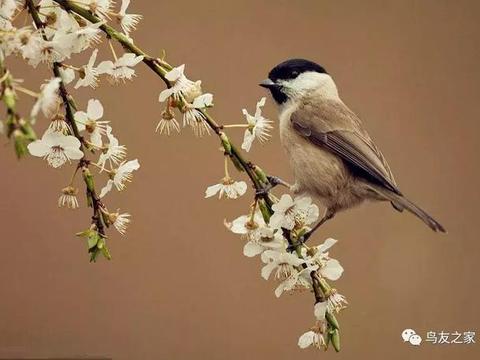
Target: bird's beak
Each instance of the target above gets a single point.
(268, 84)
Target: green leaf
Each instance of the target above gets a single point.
(226, 143)
(332, 320)
(92, 241)
(20, 144)
(88, 177)
(106, 253)
(336, 340)
(264, 210)
(261, 174)
(92, 236)
(9, 98)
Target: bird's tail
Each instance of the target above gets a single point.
(400, 203)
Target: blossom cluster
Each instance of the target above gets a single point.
(52, 37)
(294, 271)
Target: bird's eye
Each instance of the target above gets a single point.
(294, 73)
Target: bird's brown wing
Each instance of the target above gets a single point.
(331, 125)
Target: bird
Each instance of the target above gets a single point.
(333, 158)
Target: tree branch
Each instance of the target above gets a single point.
(92, 198)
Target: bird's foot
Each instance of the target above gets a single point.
(272, 182)
(300, 241)
(275, 180)
(293, 247)
(263, 191)
(304, 238)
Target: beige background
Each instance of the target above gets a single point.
(178, 286)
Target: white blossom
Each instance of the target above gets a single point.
(67, 74)
(12, 39)
(59, 124)
(83, 37)
(57, 48)
(298, 279)
(228, 187)
(311, 338)
(259, 235)
(7, 8)
(101, 8)
(114, 152)
(120, 221)
(290, 213)
(167, 123)
(128, 22)
(56, 148)
(68, 198)
(90, 121)
(181, 86)
(331, 270)
(121, 69)
(258, 126)
(283, 262)
(328, 268)
(314, 337)
(37, 50)
(336, 301)
(48, 99)
(56, 19)
(193, 117)
(88, 74)
(120, 176)
(287, 270)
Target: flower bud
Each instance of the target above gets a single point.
(9, 98)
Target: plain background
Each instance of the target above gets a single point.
(178, 286)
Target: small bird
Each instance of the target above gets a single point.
(333, 158)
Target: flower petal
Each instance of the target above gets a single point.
(94, 109)
(81, 119)
(68, 141)
(241, 187)
(175, 73)
(73, 154)
(238, 225)
(38, 148)
(247, 140)
(306, 339)
(252, 249)
(96, 138)
(212, 190)
(320, 309)
(105, 67)
(327, 244)
(107, 188)
(267, 270)
(332, 270)
(165, 94)
(203, 101)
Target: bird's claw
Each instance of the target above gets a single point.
(275, 180)
(293, 247)
(301, 241)
(263, 191)
(272, 182)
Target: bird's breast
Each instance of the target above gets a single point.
(317, 172)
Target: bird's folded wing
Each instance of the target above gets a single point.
(331, 125)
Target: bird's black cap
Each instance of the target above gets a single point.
(290, 69)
